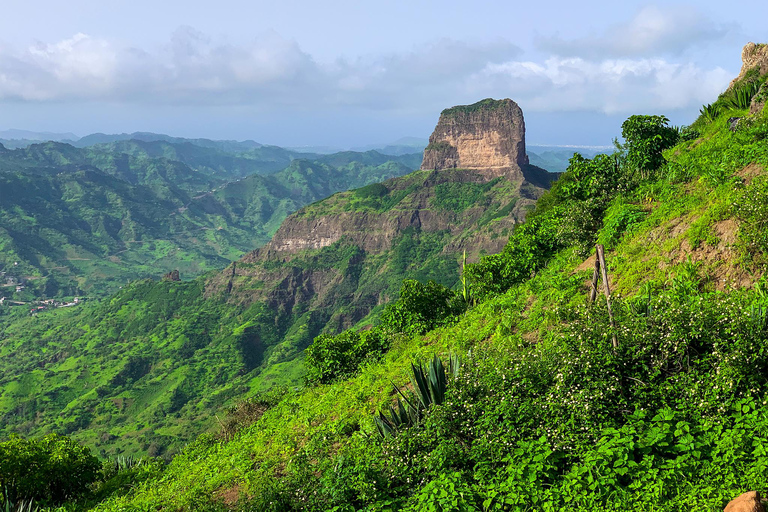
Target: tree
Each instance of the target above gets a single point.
(645, 139)
(51, 469)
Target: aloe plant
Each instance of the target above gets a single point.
(430, 383)
(20, 506)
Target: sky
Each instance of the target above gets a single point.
(347, 73)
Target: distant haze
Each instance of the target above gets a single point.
(355, 74)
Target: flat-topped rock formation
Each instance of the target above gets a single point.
(487, 135)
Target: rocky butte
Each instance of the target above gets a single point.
(488, 135)
(474, 186)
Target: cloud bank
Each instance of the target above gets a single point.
(611, 73)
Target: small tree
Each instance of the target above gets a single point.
(331, 357)
(421, 307)
(51, 469)
(645, 139)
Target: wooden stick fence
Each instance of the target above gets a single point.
(601, 269)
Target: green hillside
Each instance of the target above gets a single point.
(85, 221)
(545, 411)
(164, 357)
(508, 389)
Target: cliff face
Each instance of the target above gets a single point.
(488, 135)
(752, 56)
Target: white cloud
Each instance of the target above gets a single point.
(610, 86)
(272, 71)
(652, 31)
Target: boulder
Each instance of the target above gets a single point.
(747, 502)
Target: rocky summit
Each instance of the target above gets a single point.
(487, 135)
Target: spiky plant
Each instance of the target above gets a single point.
(20, 506)
(430, 383)
(123, 462)
(466, 293)
(741, 98)
(710, 112)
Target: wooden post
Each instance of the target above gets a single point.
(600, 261)
(595, 277)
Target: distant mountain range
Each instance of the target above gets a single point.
(84, 220)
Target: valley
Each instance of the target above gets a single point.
(214, 325)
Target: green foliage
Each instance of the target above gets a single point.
(741, 97)
(619, 218)
(458, 196)
(421, 307)
(751, 208)
(332, 357)
(50, 470)
(646, 137)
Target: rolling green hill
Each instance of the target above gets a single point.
(85, 221)
(540, 394)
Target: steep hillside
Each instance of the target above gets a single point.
(150, 367)
(654, 402)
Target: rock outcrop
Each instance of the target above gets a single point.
(752, 56)
(339, 258)
(487, 135)
(747, 502)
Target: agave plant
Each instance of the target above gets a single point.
(742, 97)
(20, 506)
(710, 112)
(429, 383)
(123, 462)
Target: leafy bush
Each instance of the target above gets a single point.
(331, 357)
(421, 307)
(51, 470)
(646, 137)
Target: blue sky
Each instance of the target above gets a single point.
(348, 73)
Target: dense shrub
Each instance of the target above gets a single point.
(51, 469)
(331, 357)
(421, 307)
(646, 137)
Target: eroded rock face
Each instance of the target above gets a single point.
(747, 502)
(489, 134)
(752, 56)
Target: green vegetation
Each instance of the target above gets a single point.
(544, 412)
(85, 221)
(488, 104)
(49, 470)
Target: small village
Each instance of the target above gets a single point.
(18, 285)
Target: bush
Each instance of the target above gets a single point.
(421, 308)
(332, 357)
(51, 470)
(619, 218)
(646, 137)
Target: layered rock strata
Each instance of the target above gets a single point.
(487, 135)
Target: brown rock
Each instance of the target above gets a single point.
(752, 56)
(489, 134)
(172, 276)
(747, 502)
